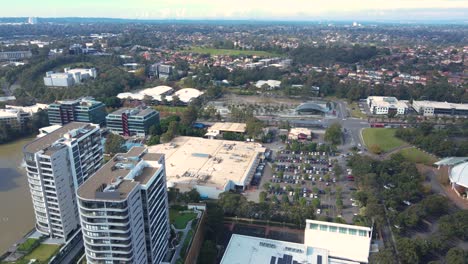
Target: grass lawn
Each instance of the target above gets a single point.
(417, 156)
(43, 252)
(180, 220)
(382, 137)
(355, 111)
(231, 52)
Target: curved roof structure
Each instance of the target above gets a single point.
(187, 94)
(155, 92)
(459, 174)
(311, 107)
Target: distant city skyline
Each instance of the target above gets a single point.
(363, 10)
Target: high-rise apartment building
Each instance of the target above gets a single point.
(81, 110)
(124, 210)
(132, 121)
(57, 164)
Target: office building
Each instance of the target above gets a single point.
(431, 108)
(124, 210)
(382, 105)
(15, 55)
(69, 77)
(81, 110)
(132, 121)
(324, 243)
(56, 165)
(162, 71)
(209, 165)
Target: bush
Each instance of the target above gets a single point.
(375, 149)
(28, 245)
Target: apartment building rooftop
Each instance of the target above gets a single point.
(119, 176)
(66, 133)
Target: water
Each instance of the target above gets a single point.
(16, 213)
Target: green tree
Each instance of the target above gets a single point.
(208, 253)
(153, 140)
(456, 256)
(262, 197)
(114, 144)
(333, 134)
(189, 115)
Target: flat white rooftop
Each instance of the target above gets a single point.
(194, 161)
(324, 243)
(228, 126)
(386, 101)
(342, 241)
(440, 105)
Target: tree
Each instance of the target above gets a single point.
(456, 256)
(333, 134)
(189, 115)
(153, 140)
(208, 252)
(170, 133)
(374, 148)
(175, 100)
(407, 250)
(114, 144)
(262, 197)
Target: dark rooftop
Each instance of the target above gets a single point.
(134, 111)
(112, 176)
(47, 140)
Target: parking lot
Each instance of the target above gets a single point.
(310, 175)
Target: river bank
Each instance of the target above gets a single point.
(17, 216)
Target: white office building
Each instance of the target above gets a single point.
(69, 77)
(324, 243)
(124, 210)
(57, 164)
(383, 105)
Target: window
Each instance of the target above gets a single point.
(352, 232)
(362, 233)
(343, 230)
(323, 228)
(314, 226)
(333, 229)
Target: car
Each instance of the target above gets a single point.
(319, 211)
(352, 189)
(408, 203)
(354, 204)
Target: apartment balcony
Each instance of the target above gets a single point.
(41, 229)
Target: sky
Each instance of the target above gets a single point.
(242, 9)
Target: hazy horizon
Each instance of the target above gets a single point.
(293, 10)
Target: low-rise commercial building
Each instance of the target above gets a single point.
(219, 128)
(324, 242)
(431, 108)
(81, 110)
(384, 105)
(210, 166)
(124, 210)
(300, 133)
(15, 55)
(132, 121)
